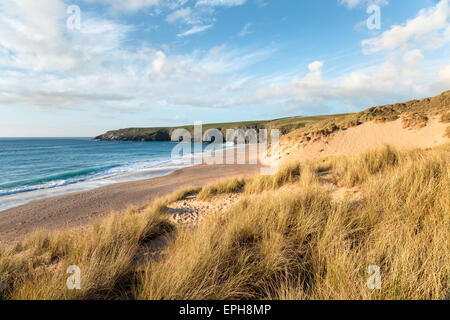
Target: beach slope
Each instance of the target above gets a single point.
(78, 209)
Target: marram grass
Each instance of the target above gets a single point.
(286, 237)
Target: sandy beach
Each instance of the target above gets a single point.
(81, 208)
(78, 209)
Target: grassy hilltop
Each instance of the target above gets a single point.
(286, 125)
(414, 113)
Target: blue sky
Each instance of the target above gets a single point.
(143, 63)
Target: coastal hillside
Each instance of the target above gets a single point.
(285, 125)
(413, 114)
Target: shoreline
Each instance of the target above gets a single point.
(80, 208)
(165, 167)
(77, 209)
(21, 198)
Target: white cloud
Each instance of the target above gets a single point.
(354, 3)
(412, 63)
(159, 61)
(127, 5)
(32, 33)
(350, 3)
(245, 30)
(46, 66)
(189, 16)
(34, 37)
(223, 3)
(396, 79)
(443, 81)
(198, 18)
(195, 30)
(315, 66)
(181, 14)
(430, 28)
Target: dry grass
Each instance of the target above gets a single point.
(286, 238)
(105, 252)
(445, 117)
(288, 173)
(414, 121)
(295, 242)
(225, 186)
(354, 170)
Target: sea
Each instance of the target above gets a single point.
(37, 168)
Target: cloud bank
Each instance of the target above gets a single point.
(45, 66)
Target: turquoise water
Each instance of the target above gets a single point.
(34, 168)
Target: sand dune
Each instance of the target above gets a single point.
(77, 209)
(369, 135)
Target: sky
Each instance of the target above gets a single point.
(80, 68)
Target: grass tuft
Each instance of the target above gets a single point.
(414, 121)
(222, 187)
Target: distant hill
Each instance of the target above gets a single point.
(414, 113)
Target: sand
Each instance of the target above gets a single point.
(369, 135)
(191, 211)
(78, 209)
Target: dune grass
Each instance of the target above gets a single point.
(225, 186)
(414, 120)
(354, 170)
(287, 174)
(285, 238)
(105, 252)
(445, 117)
(297, 243)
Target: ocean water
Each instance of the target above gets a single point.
(36, 168)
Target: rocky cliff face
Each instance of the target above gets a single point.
(159, 134)
(135, 135)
